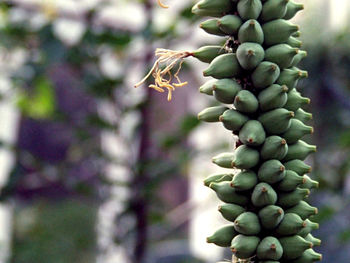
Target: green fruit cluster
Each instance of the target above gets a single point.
(256, 76)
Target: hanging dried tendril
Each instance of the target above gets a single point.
(161, 4)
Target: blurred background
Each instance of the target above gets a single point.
(93, 170)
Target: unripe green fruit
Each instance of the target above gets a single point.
(252, 133)
(250, 55)
(244, 180)
(290, 225)
(296, 131)
(269, 248)
(273, 97)
(295, 100)
(233, 120)
(225, 90)
(299, 150)
(211, 114)
(217, 178)
(309, 227)
(249, 9)
(208, 53)
(290, 181)
(274, 9)
(302, 115)
(292, 9)
(298, 166)
(263, 195)
(228, 194)
(270, 216)
(211, 27)
(293, 42)
(265, 75)
(247, 224)
(246, 102)
(290, 77)
(244, 246)
(212, 8)
(281, 54)
(251, 31)
(309, 183)
(274, 147)
(230, 211)
(230, 24)
(303, 209)
(223, 66)
(278, 31)
(207, 87)
(309, 256)
(290, 199)
(294, 246)
(297, 58)
(313, 240)
(271, 171)
(276, 121)
(224, 159)
(208, 12)
(296, 34)
(223, 236)
(245, 157)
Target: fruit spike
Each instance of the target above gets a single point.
(256, 75)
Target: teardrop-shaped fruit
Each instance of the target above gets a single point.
(224, 159)
(274, 9)
(299, 150)
(245, 157)
(289, 199)
(225, 90)
(212, 8)
(245, 180)
(293, 42)
(281, 54)
(270, 216)
(278, 31)
(250, 55)
(290, 225)
(230, 211)
(296, 131)
(247, 224)
(309, 227)
(223, 236)
(207, 87)
(309, 256)
(309, 183)
(295, 100)
(252, 133)
(223, 66)
(249, 9)
(217, 178)
(273, 97)
(302, 115)
(227, 194)
(230, 24)
(208, 53)
(244, 246)
(292, 9)
(211, 27)
(265, 74)
(298, 166)
(291, 181)
(276, 121)
(251, 31)
(313, 240)
(246, 102)
(208, 12)
(290, 77)
(269, 248)
(299, 57)
(294, 246)
(211, 114)
(263, 195)
(303, 209)
(271, 171)
(233, 120)
(274, 147)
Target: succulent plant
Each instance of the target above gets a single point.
(256, 77)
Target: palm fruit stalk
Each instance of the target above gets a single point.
(255, 76)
